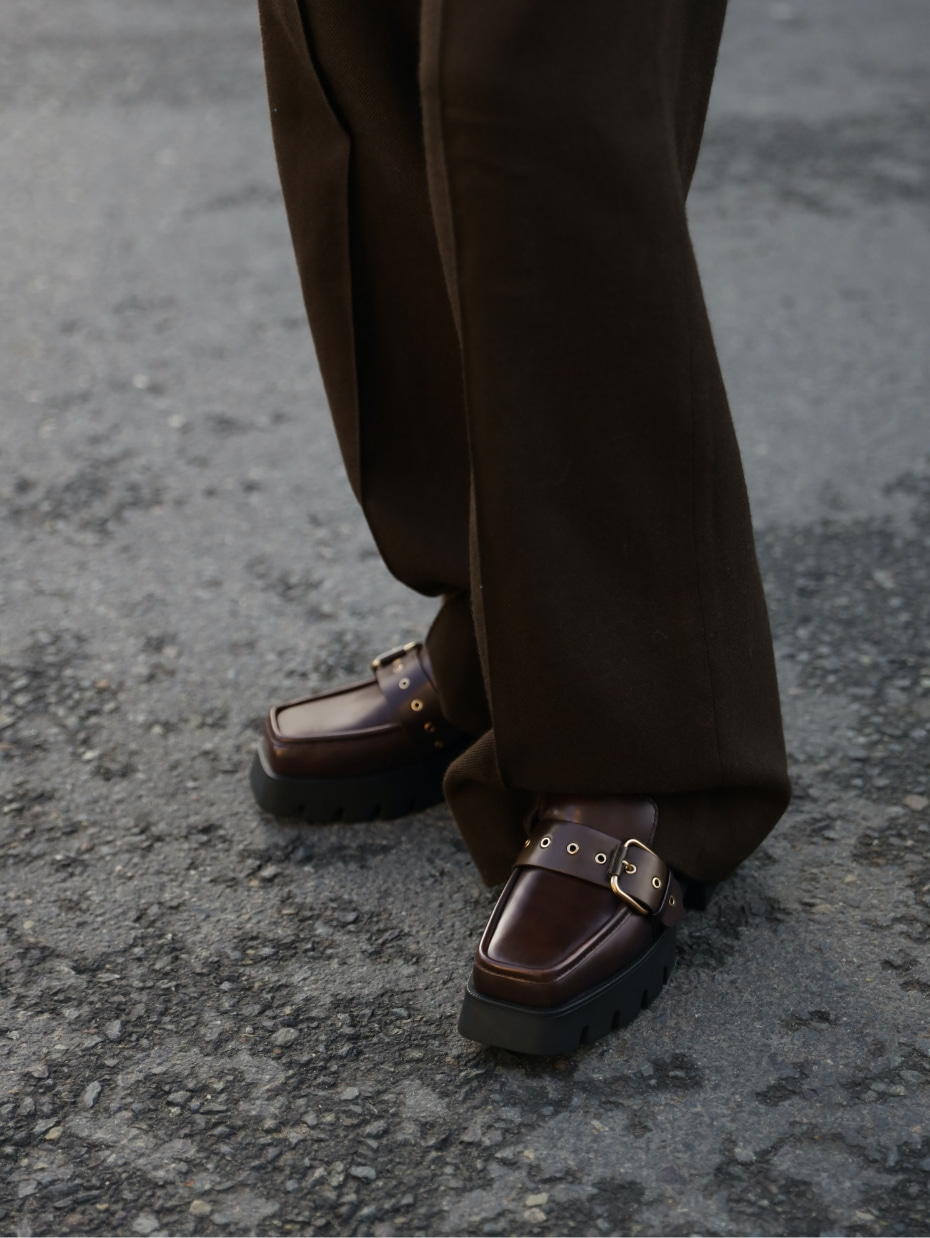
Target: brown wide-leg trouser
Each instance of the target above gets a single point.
(487, 202)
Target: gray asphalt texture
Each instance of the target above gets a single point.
(211, 1025)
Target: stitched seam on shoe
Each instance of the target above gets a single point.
(329, 737)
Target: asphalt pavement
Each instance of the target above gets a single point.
(212, 1025)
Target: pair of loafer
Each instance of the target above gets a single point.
(583, 934)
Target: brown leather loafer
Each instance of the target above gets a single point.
(583, 935)
(375, 749)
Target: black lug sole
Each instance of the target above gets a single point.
(372, 797)
(547, 1033)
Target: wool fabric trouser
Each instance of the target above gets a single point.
(487, 204)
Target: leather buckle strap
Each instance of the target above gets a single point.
(590, 855)
(413, 699)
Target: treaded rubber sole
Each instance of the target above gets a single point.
(374, 797)
(546, 1033)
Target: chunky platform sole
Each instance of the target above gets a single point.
(591, 1015)
(373, 797)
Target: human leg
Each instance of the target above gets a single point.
(342, 79)
(620, 623)
(618, 602)
(636, 751)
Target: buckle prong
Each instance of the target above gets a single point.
(623, 865)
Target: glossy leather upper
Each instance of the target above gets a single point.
(553, 935)
(364, 728)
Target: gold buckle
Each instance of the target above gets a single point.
(629, 867)
(392, 654)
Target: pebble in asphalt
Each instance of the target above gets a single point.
(212, 1025)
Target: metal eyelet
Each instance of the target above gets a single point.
(404, 683)
(572, 848)
(544, 842)
(657, 882)
(527, 843)
(416, 706)
(600, 858)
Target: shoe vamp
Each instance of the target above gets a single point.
(356, 709)
(553, 922)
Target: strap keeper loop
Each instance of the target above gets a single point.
(392, 655)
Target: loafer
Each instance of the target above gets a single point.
(583, 935)
(374, 749)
